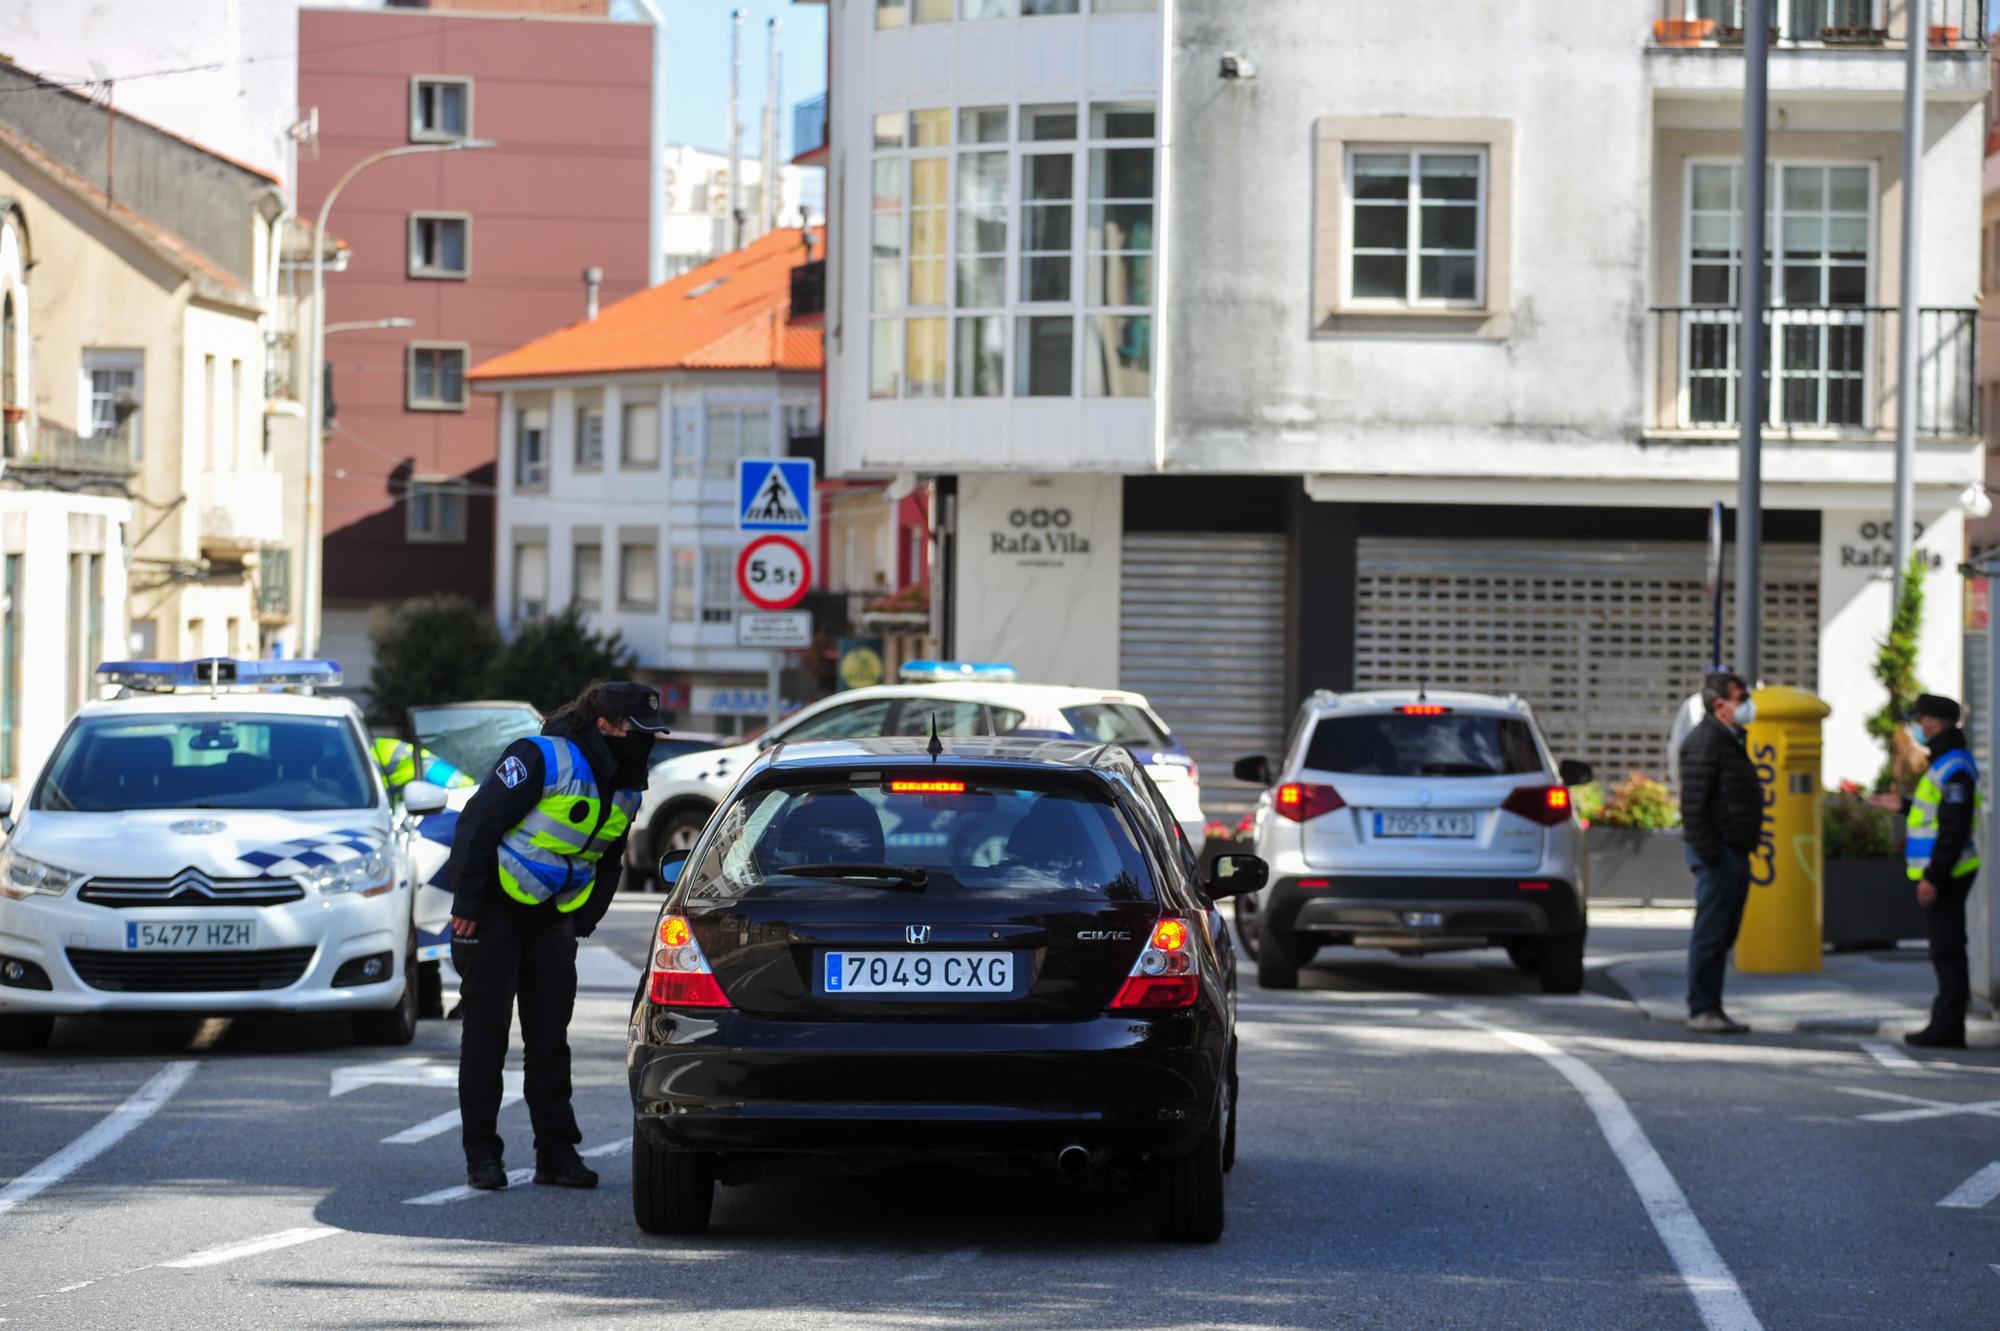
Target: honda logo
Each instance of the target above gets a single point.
(917, 933)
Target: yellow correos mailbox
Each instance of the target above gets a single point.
(1781, 926)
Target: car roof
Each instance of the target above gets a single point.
(224, 703)
(976, 751)
(999, 694)
(1333, 704)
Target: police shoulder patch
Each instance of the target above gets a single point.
(1955, 793)
(512, 772)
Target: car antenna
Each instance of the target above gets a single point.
(934, 748)
(1421, 695)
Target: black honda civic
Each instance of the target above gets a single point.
(992, 952)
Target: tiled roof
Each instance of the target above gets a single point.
(728, 314)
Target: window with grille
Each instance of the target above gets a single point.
(718, 584)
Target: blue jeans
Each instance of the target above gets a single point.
(1721, 890)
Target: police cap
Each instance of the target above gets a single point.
(637, 703)
(1931, 704)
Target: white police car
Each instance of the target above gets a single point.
(208, 842)
(963, 698)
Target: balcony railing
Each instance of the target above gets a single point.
(809, 292)
(809, 127)
(61, 451)
(1954, 24)
(241, 509)
(274, 583)
(1836, 370)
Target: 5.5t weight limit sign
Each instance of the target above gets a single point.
(774, 573)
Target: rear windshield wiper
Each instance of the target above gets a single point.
(890, 877)
(1457, 769)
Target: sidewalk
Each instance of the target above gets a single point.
(1854, 993)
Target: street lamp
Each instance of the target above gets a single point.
(394, 321)
(316, 385)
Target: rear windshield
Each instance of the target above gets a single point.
(1097, 723)
(291, 764)
(1454, 744)
(998, 840)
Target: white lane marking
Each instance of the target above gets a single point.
(108, 1132)
(618, 1147)
(598, 967)
(1580, 1000)
(1891, 1057)
(1717, 1296)
(1976, 1191)
(1924, 1108)
(230, 1252)
(515, 1177)
(415, 1070)
(943, 1266)
(511, 1082)
(1291, 1009)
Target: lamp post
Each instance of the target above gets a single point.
(357, 325)
(316, 383)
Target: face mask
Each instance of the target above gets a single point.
(1917, 736)
(631, 750)
(1746, 712)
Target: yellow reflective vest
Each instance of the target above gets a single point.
(554, 851)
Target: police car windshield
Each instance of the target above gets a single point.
(472, 738)
(1009, 838)
(109, 764)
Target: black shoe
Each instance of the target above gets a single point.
(1715, 1022)
(487, 1175)
(1930, 1039)
(569, 1172)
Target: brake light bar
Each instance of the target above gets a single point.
(1303, 801)
(1424, 709)
(680, 976)
(1166, 975)
(1547, 805)
(926, 787)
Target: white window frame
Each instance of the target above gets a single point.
(111, 359)
(539, 480)
(714, 556)
(586, 412)
(411, 401)
(683, 586)
(576, 597)
(435, 489)
(420, 134)
(627, 603)
(417, 267)
(1413, 271)
(522, 614)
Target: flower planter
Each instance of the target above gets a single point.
(1629, 864)
(1735, 36)
(1942, 36)
(12, 414)
(1869, 903)
(1683, 32)
(1854, 36)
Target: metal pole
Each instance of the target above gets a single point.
(772, 674)
(656, 176)
(1917, 20)
(735, 223)
(1985, 903)
(1750, 365)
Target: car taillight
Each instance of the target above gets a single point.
(1301, 801)
(1547, 805)
(1166, 974)
(680, 976)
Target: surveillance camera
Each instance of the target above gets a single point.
(1235, 66)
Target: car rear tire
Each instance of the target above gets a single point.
(1229, 1135)
(430, 991)
(676, 831)
(1526, 956)
(1278, 959)
(26, 1032)
(1562, 965)
(1246, 926)
(396, 1025)
(1191, 1189)
(673, 1192)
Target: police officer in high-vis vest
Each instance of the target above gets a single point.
(1943, 855)
(533, 866)
(403, 762)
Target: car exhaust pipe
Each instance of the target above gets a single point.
(1072, 1159)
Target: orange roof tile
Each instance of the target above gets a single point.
(728, 314)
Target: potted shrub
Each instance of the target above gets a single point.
(1632, 834)
(1683, 31)
(1943, 36)
(11, 414)
(1867, 896)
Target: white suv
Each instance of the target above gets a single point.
(684, 791)
(1418, 822)
(212, 847)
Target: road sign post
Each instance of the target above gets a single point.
(775, 502)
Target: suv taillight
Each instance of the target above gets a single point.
(1301, 801)
(1547, 805)
(1166, 975)
(679, 976)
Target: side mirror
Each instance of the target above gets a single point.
(6, 806)
(1236, 876)
(1575, 773)
(671, 865)
(1256, 769)
(422, 797)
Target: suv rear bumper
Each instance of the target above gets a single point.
(1464, 907)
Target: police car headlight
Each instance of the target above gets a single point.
(371, 875)
(22, 877)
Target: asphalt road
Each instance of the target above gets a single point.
(1422, 1144)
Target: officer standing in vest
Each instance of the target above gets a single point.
(534, 864)
(1943, 857)
(401, 760)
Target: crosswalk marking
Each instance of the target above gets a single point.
(1976, 1191)
(108, 1133)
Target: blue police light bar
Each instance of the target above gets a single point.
(959, 672)
(219, 670)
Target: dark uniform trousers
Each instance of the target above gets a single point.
(532, 957)
(1944, 922)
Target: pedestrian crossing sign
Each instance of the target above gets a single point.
(774, 494)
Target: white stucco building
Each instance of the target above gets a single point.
(1268, 347)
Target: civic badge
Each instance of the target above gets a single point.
(196, 827)
(917, 933)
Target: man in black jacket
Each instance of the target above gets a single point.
(1722, 812)
(1943, 860)
(534, 864)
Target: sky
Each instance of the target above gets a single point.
(698, 66)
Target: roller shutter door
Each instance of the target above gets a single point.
(1202, 635)
(1602, 639)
